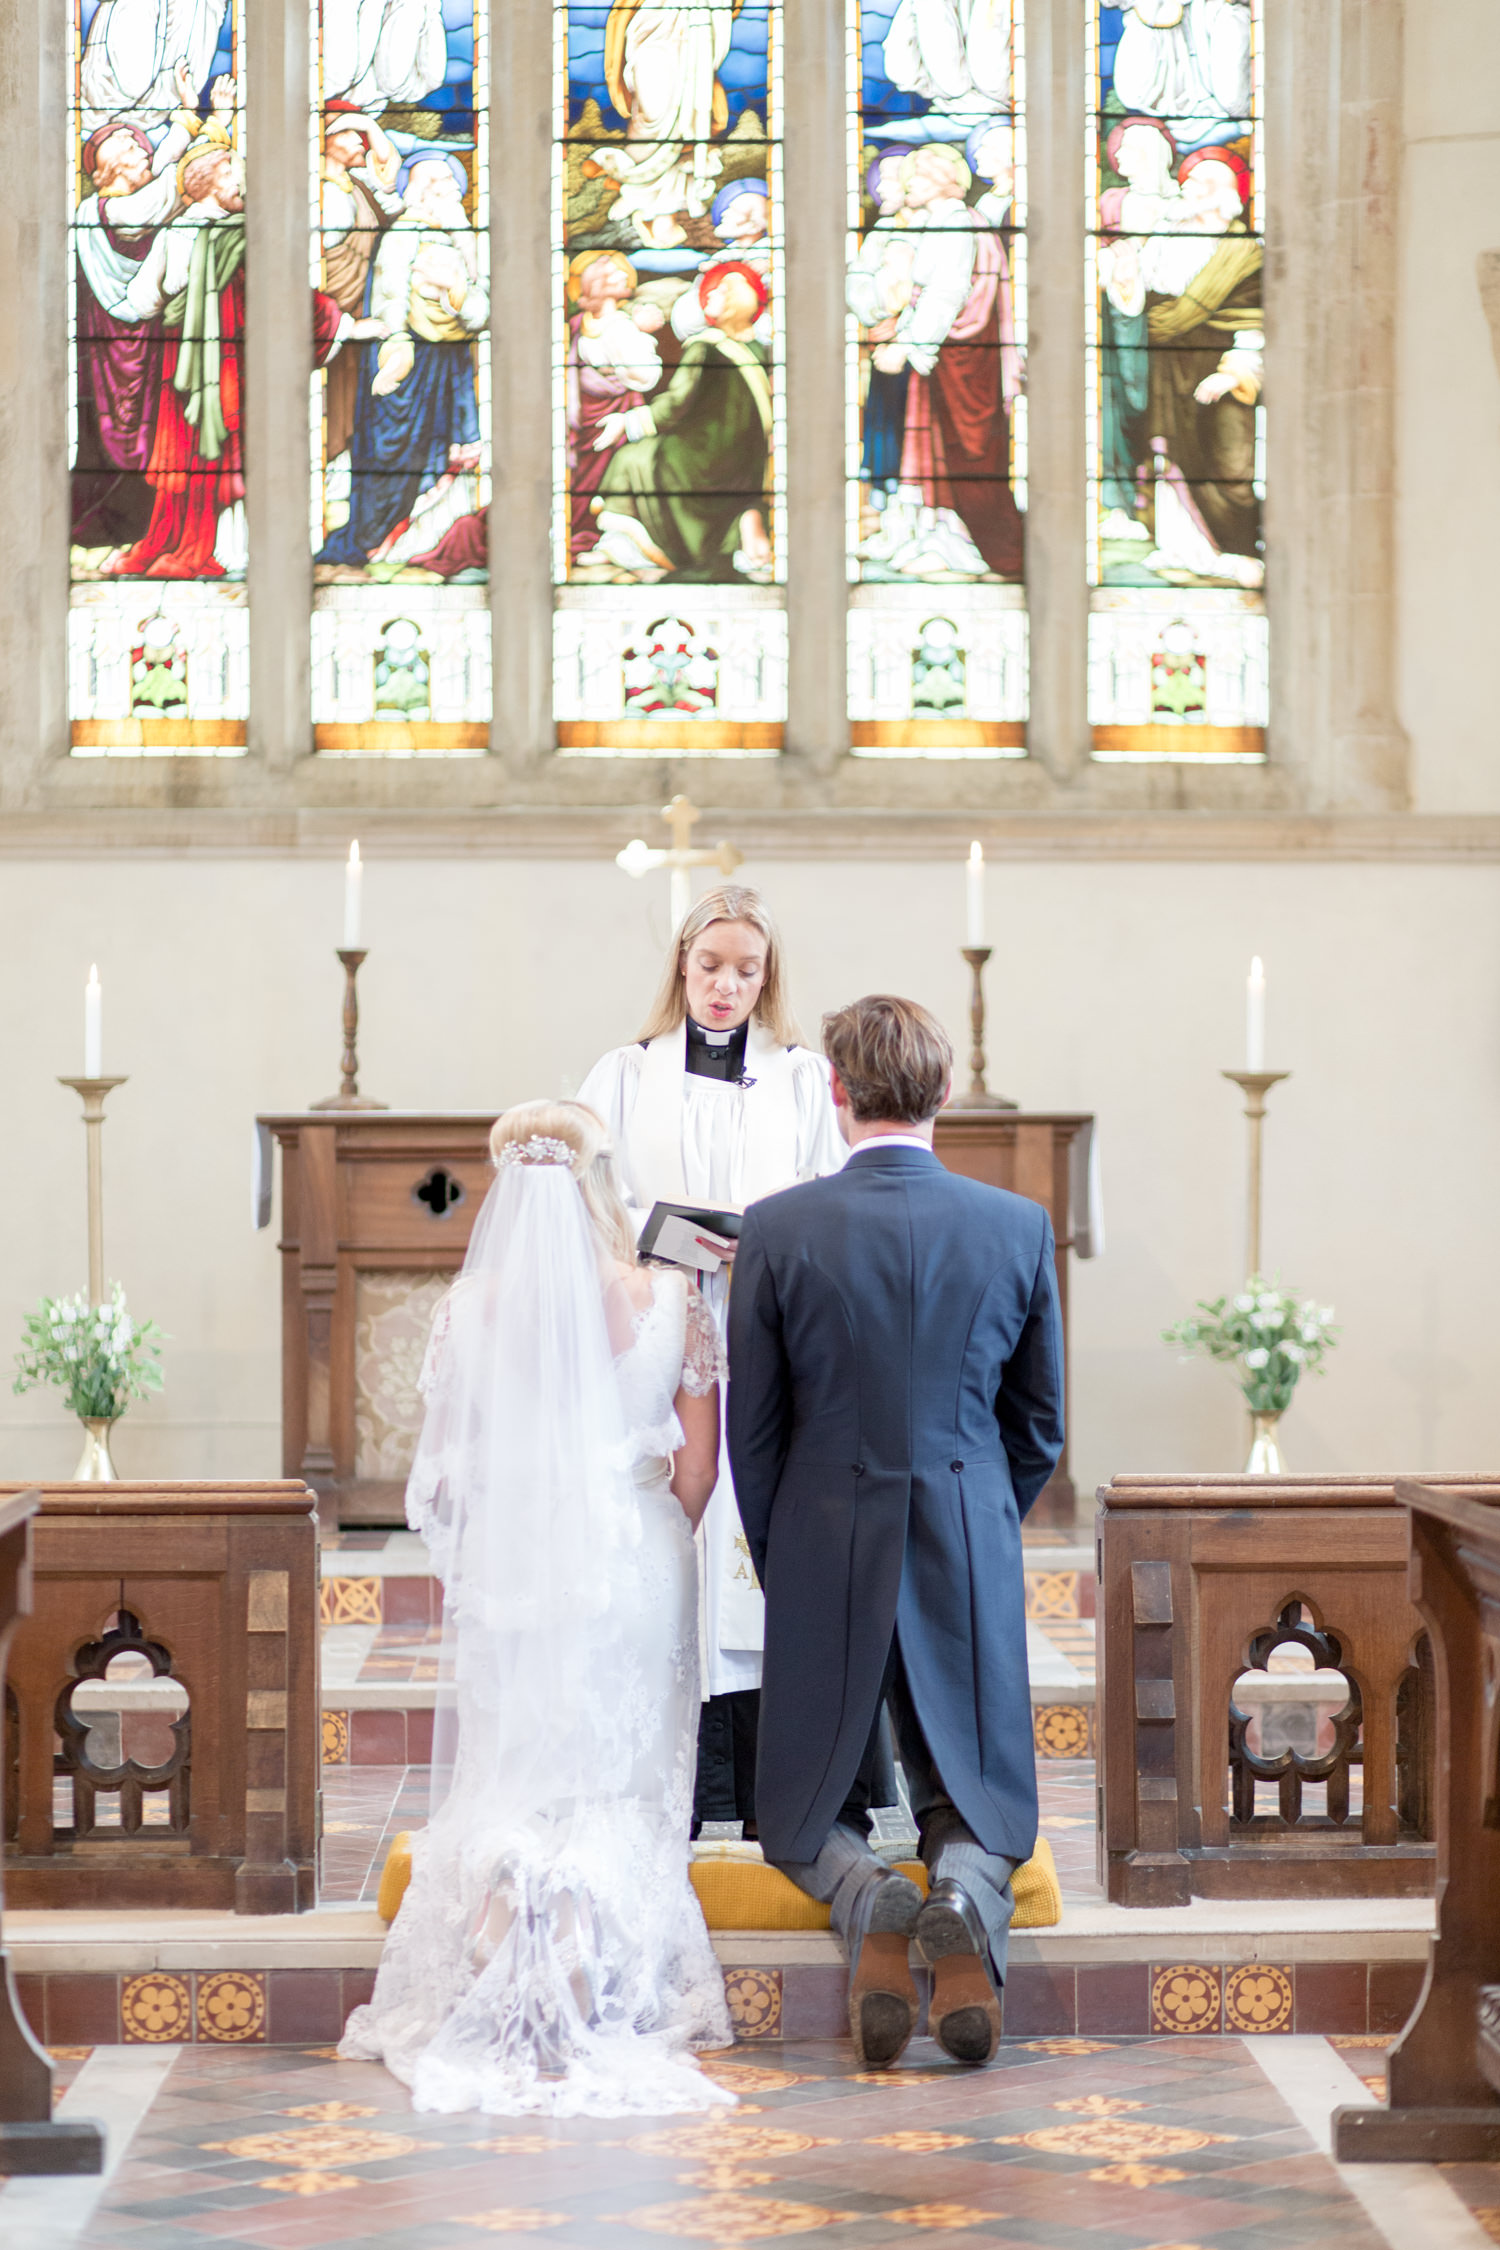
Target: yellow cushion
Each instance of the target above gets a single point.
(394, 1876)
(742, 1894)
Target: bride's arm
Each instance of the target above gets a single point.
(695, 1467)
(695, 1470)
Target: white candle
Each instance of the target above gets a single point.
(975, 895)
(354, 877)
(1255, 1016)
(93, 1026)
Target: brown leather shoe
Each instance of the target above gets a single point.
(964, 2015)
(882, 1999)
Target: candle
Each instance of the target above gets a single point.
(1255, 1016)
(354, 877)
(93, 1026)
(975, 875)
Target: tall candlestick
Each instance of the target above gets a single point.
(354, 879)
(974, 873)
(1255, 1016)
(93, 1025)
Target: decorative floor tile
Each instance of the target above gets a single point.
(156, 2009)
(1186, 1998)
(940, 2216)
(1062, 1730)
(232, 2006)
(754, 1997)
(1258, 1999)
(513, 2222)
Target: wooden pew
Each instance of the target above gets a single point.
(1443, 2102)
(163, 1722)
(1286, 1795)
(30, 2139)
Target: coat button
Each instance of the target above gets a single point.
(956, 1467)
(858, 1468)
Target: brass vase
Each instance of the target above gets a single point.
(1265, 1454)
(94, 1463)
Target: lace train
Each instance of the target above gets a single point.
(569, 1973)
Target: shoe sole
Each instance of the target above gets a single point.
(942, 1932)
(882, 2000)
(881, 2025)
(965, 2009)
(967, 2034)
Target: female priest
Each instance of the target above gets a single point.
(717, 1103)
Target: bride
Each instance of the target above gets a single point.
(549, 1953)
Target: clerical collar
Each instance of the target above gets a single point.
(716, 1054)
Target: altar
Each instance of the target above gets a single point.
(376, 1208)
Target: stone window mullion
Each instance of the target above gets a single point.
(278, 370)
(1056, 557)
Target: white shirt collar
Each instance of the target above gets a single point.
(893, 1140)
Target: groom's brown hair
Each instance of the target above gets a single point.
(892, 1056)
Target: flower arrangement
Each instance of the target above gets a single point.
(1271, 1336)
(97, 1355)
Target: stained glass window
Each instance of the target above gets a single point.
(669, 544)
(1175, 214)
(401, 392)
(158, 639)
(935, 290)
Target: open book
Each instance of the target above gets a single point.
(681, 1234)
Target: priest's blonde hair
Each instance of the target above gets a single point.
(732, 902)
(592, 1165)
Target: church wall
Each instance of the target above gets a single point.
(1448, 427)
(1115, 986)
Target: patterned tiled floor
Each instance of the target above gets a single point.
(1151, 2144)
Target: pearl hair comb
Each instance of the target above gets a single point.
(540, 1149)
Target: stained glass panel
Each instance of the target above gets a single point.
(401, 393)
(669, 544)
(935, 291)
(1175, 185)
(158, 641)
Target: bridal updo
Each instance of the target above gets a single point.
(591, 1161)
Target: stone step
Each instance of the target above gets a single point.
(1351, 1966)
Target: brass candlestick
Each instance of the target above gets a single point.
(349, 1095)
(1255, 1085)
(94, 1091)
(979, 1095)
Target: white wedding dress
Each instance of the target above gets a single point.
(550, 1954)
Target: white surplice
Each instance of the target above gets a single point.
(681, 1138)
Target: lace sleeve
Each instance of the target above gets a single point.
(703, 1361)
(437, 1341)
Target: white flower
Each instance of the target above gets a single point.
(1309, 1332)
(1244, 1304)
(71, 1351)
(1293, 1352)
(1258, 1358)
(1325, 1314)
(1262, 1321)
(1269, 1300)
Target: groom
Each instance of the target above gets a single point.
(895, 1406)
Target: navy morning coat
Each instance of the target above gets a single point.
(895, 1407)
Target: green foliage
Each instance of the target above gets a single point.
(96, 1355)
(1269, 1335)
